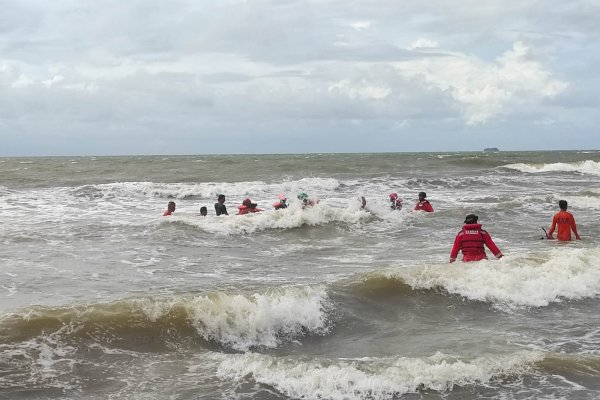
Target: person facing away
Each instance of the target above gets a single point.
(306, 202)
(395, 202)
(281, 204)
(220, 205)
(471, 240)
(422, 204)
(565, 222)
(203, 211)
(170, 209)
(248, 207)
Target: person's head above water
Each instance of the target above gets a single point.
(221, 198)
(171, 206)
(422, 195)
(471, 219)
(563, 205)
(303, 197)
(203, 211)
(393, 196)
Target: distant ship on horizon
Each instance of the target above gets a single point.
(491, 150)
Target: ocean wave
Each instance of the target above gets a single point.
(236, 321)
(584, 167)
(371, 378)
(289, 218)
(210, 190)
(262, 320)
(532, 280)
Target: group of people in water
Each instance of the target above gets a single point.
(470, 241)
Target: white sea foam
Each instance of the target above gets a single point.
(292, 217)
(265, 319)
(585, 167)
(234, 190)
(515, 280)
(370, 378)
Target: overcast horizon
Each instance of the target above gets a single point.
(283, 77)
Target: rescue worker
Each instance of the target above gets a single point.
(422, 204)
(565, 222)
(248, 207)
(471, 240)
(306, 201)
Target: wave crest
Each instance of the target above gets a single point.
(370, 378)
(584, 167)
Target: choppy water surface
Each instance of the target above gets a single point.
(104, 298)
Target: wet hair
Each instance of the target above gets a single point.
(422, 194)
(203, 210)
(171, 206)
(221, 196)
(562, 204)
(471, 219)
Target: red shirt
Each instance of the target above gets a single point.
(243, 210)
(168, 212)
(471, 240)
(424, 206)
(565, 222)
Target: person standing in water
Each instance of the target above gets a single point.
(422, 204)
(565, 222)
(471, 240)
(220, 205)
(170, 209)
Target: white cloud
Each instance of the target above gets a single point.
(487, 89)
(423, 43)
(361, 25)
(269, 66)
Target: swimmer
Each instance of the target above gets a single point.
(170, 209)
(220, 208)
(248, 207)
(395, 202)
(281, 204)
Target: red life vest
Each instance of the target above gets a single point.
(471, 241)
(247, 210)
(424, 206)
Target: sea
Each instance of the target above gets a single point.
(103, 297)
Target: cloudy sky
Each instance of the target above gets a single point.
(110, 77)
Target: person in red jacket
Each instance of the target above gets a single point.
(471, 240)
(565, 222)
(423, 205)
(248, 207)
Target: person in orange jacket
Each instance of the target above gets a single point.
(565, 222)
(471, 240)
(422, 204)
